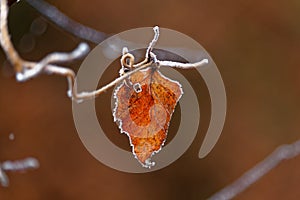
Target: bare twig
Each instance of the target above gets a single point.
(24, 69)
(153, 42)
(182, 65)
(57, 57)
(16, 166)
(283, 152)
(66, 23)
(6, 44)
(3, 178)
(21, 165)
(27, 69)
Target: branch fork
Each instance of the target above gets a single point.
(26, 70)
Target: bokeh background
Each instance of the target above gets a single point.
(256, 46)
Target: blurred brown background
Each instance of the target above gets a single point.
(255, 44)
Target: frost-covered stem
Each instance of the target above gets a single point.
(3, 178)
(283, 152)
(16, 166)
(20, 165)
(33, 69)
(121, 78)
(28, 69)
(182, 65)
(153, 42)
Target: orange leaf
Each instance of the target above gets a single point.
(144, 106)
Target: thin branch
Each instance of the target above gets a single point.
(21, 165)
(280, 154)
(4, 181)
(56, 57)
(66, 23)
(77, 29)
(6, 44)
(27, 69)
(182, 65)
(16, 166)
(22, 67)
(153, 42)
